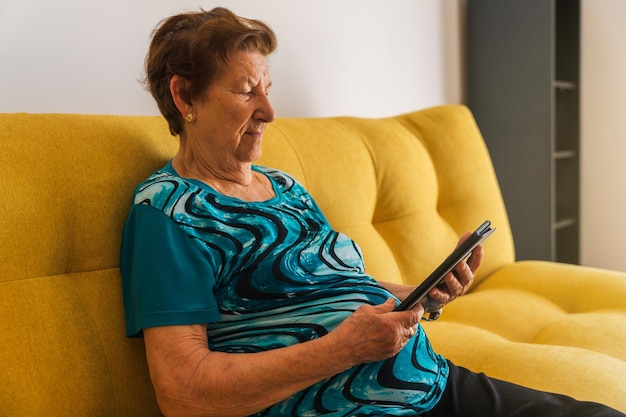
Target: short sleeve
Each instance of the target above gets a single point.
(166, 278)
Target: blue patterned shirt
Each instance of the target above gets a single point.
(264, 275)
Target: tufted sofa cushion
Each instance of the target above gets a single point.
(403, 187)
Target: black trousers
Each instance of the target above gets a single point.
(469, 394)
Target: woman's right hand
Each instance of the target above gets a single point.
(376, 333)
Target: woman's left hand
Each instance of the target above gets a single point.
(456, 282)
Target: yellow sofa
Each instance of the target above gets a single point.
(405, 188)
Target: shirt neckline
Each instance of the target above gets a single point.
(169, 168)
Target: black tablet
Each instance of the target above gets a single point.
(459, 254)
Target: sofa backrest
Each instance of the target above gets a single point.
(65, 189)
(404, 188)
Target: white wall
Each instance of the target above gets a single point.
(355, 57)
(603, 130)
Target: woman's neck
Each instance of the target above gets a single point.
(241, 182)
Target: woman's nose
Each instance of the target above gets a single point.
(265, 112)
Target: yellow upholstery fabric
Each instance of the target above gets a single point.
(549, 326)
(403, 187)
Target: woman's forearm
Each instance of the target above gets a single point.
(205, 383)
(191, 380)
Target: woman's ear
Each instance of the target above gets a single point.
(178, 89)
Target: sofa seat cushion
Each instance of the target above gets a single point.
(549, 326)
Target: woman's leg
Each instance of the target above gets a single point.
(469, 394)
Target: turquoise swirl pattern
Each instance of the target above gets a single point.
(284, 276)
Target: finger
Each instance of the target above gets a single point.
(463, 237)
(462, 274)
(433, 303)
(476, 258)
(419, 310)
(440, 293)
(453, 285)
(457, 283)
(386, 307)
(409, 318)
(389, 304)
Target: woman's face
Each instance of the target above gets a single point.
(230, 120)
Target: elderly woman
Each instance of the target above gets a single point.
(248, 301)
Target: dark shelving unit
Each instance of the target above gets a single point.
(523, 88)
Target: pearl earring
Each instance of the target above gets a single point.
(189, 118)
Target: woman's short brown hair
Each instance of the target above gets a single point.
(195, 46)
